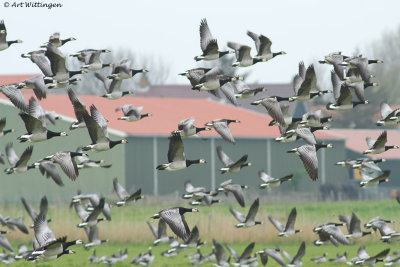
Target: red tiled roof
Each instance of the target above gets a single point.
(7, 79)
(167, 112)
(355, 140)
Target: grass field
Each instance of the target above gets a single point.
(129, 230)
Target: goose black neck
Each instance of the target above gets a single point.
(256, 60)
(358, 103)
(296, 119)
(31, 166)
(136, 71)
(184, 210)
(366, 233)
(63, 253)
(223, 53)
(388, 147)
(244, 165)
(276, 54)
(105, 65)
(377, 160)
(114, 143)
(68, 244)
(103, 241)
(51, 134)
(145, 115)
(297, 231)
(318, 146)
(229, 121)
(257, 222)
(323, 92)
(7, 131)
(224, 81)
(12, 42)
(313, 129)
(74, 72)
(200, 129)
(126, 93)
(368, 85)
(65, 40)
(314, 94)
(371, 61)
(190, 162)
(74, 154)
(279, 99)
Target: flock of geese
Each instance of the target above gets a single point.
(349, 74)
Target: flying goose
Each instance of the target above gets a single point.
(11, 223)
(84, 162)
(192, 242)
(306, 88)
(263, 46)
(39, 58)
(35, 110)
(4, 241)
(186, 128)
(249, 220)
(245, 258)
(222, 127)
(353, 225)
(343, 98)
(97, 128)
(354, 76)
(91, 219)
(361, 64)
(93, 236)
(122, 70)
(160, 233)
(320, 259)
(131, 113)
(58, 66)
(306, 133)
(336, 59)
(123, 195)
(231, 166)
(296, 260)
(361, 163)
(236, 189)
(220, 255)
(79, 110)
(112, 87)
(271, 104)
(60, 85)
(330, 232)
(37, 84)
(49, 169)
(359, 87)
(190, 189)
(287, 116)
(208, 44)
(389, 117)
(19, 164)
(92, 59)
(314, 119)
(229, 90)
(2, 125)
(175, 219)
(308, 155)
(339, 258)
(287, 230)
(94, 201)
(67, 162)
(207, 200)
(31, 211)
(371, 223)
(364, 259)
(244, 91)
(213, 80)
(243, 57)
(273, 253)
(378, 146)
(176, 155)
(4, 44)
(271, 182)
(194, 75)
(368, 181)
(49, 247)
(55, 40)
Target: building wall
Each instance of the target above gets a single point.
(32, 185)
(141, 163)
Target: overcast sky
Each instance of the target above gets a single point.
(306, 30)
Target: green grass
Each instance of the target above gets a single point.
(81, 256)
(128, 229)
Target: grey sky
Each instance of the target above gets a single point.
(306, 30)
